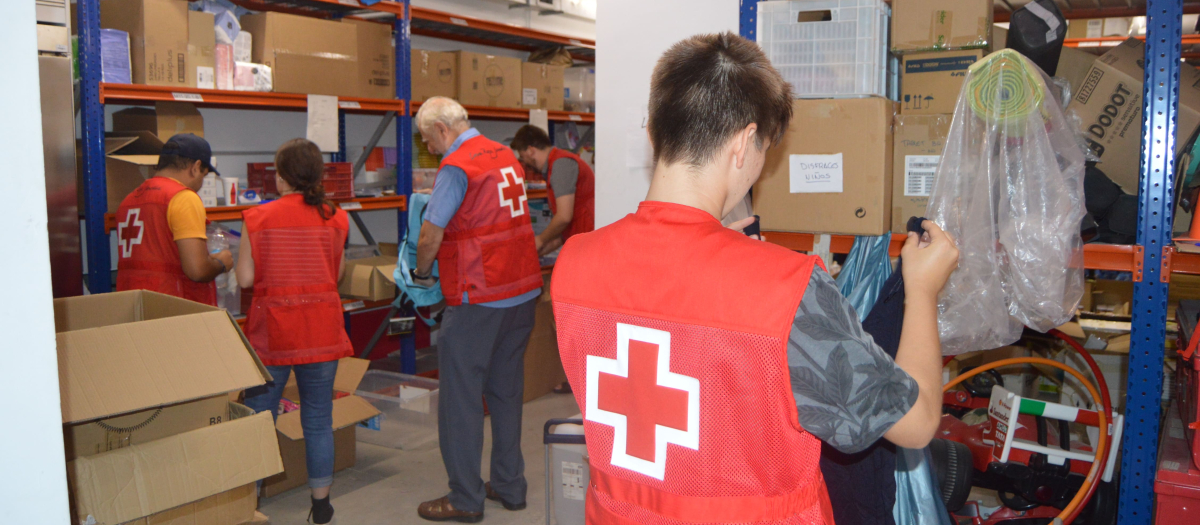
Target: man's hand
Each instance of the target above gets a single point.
(226, 258)
(538, 243)
(928, 265)
(742, 224)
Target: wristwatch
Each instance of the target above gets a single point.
(415, 277)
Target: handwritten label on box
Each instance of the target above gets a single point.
(815, 173)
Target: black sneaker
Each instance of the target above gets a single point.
(321, 512)
(492, 495)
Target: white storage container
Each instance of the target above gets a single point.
(408, 407)
(844, 56)
(579, 89)
(568, 475)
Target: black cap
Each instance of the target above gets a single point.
(189, 146)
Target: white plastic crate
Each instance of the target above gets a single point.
(408, 407)
(843, 57)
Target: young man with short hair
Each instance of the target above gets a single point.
(162, 242)
(709, 366)
(569, 181)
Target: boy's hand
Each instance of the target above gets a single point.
(927, 266)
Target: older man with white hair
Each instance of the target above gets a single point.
(477, 228)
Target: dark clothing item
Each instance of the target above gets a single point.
(862, 485)
(1114, 211)
(481, 354)
(848, 391)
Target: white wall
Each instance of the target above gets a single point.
(631, 35)
(33, 488)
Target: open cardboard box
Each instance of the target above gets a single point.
(543, 366)
(348, 411)
(370, 278)
(144, 380)
(165, 120)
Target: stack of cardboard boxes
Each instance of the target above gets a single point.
(476, 79)
(845, 163)
(937, 41)
(172, 46)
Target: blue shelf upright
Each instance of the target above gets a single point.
(95, 189)
(404, 153)
(1143, 405)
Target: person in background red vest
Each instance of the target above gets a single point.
(477, 228)
(709, 366)
(570, 182)
(291, 253)
(162, 244)
(572, 192)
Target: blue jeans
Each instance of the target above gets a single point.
(315, 381)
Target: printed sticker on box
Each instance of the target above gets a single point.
(919, 171)
(815, 173)
(572, 481)
(529, 96)
(206, 78)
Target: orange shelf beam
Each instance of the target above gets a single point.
(139, 94)
(421, 13)
(1115, 40)
(1116, 257)
(537, 194)
(234, 213)
(518, 114)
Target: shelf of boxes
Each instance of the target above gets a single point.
(140, 94)
(234, 213)
(488, 112)
(438, 24)
(1115, 257)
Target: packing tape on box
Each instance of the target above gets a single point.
(318, 54)
(941, 30)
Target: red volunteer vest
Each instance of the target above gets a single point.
(673, 331)
(296, 315)
(488, 250)
(583, 218)
(147, 256)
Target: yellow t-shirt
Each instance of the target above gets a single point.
(186, 216)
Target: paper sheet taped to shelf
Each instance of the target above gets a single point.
(815, 173)
(323, 121)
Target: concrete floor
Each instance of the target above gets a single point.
(386, 485)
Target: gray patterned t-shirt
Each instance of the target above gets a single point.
(848, 391)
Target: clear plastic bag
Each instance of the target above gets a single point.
(1009, 188)
(229, 294)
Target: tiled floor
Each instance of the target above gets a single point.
(386, 485)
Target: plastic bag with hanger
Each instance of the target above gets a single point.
(866, 269)
(1009, 188)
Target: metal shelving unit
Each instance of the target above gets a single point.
(95, 94)
(1153, 257)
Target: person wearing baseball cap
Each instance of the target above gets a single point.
(162, 244)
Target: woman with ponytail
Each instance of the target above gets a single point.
(291, 253)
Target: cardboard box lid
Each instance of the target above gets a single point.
(132, 482)
(125, 351)
(349, 410)
(132, 143)
(165, 120)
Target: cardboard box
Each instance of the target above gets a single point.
(202, 45)
(89, 439)
(1109, 103)
(348, 411)
(306, 55)
(1074, 66)
(928, 25)
(543, 366)
(232, 507)
(1097, 27)
(130, 160)
(434, 74)
(930, 82)
(123, 353)
(542, 86)
(832, 172)
(376, 59)
(158, 38)
(488, 80)
(917, 148)
(165, 121)
(370, 278)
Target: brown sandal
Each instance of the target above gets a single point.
(494, 496)
(441, 510)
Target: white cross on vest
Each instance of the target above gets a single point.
(647, 405)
